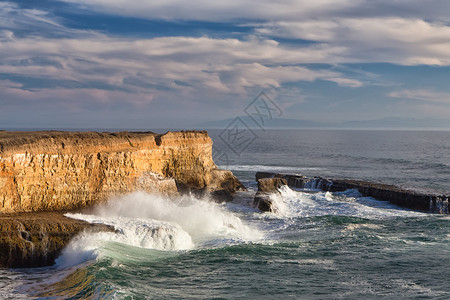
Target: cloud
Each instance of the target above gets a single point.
(18, 21)
(346, 82)
(218, 10)
(372, 39)
(282, 10)
(422, 95)
(167, 63)
(361, 31)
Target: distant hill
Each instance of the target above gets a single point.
(399, 123)
(282, 123)
(268, 123)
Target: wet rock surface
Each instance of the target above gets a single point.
(266, 188)
(36, 239)
(384, 192)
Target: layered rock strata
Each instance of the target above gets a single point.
(396, 195)
(42, 171)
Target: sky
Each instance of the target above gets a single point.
(176, 64)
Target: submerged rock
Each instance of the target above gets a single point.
(266, 188)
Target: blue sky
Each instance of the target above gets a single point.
(149, 64)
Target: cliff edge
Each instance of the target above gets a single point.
(54, 170)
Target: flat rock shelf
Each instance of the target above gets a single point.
(405, 198)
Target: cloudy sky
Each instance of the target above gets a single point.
(173, 63)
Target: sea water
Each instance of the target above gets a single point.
(319, 245)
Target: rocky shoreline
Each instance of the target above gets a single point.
(43, 174)
(384, 192)
(36, 239)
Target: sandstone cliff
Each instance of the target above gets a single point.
(42, 171)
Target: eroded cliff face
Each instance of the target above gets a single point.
(41, 171)
(36, 239)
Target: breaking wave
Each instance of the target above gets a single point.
(293, 204)
(155, 222)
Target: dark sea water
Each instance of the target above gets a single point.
(320, 245)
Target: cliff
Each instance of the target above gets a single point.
(45, 171)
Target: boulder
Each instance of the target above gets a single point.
(267, 187)
(221, 196)
(271, 185)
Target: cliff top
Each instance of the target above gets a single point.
(50, 141)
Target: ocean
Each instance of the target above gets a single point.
(320, 245)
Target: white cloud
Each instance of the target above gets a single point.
(407, 32)
(346, 82)
(222, 65)
(280, 10)
(31, 21)
(219, 10)
(422, 95)
(394, 40)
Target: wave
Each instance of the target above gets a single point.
(154, 222)
(293, 204)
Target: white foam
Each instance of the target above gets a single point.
(155, 222)
(10, 283)
(293, 204)
(144, 233)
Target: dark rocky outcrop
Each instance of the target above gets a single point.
(36, 239)
(221, 196)
(384, 192)
(267, 187)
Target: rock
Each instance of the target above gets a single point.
(261, 175)
(270, 185)
(221, 196)
(36, 239)
(384, 192)
(54, 170)
(263, 202)
(267, 187)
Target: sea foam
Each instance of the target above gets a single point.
(156, 222)
(293, 204)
